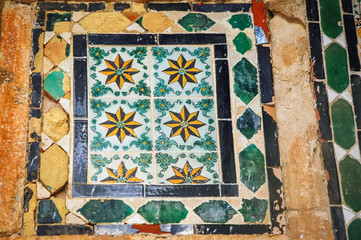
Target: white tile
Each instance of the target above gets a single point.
(355, 152)
(136, 219)
(348, 214)
(342, 40)
(64, 143)
(45, 141)
(41, 191)
(71, 218)
(67, 36)
(48, 36)
(326, 40)
(78, 15)
(339, 152)
(135, 27)
(66, 65)
(346, 95)
(331, 95)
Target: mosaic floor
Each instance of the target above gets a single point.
(165, 115)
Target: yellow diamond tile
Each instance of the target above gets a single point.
(57, 49)
(105, 22)
(156, 22)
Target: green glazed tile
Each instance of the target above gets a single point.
(242, 43)
(354, 229)
(194, 22)
(252, 168)
(350, 171)
(48, 213)
(53, 84)
(105, 211)
(163, 211)
(215, 211)
(53, 18)
(245, 80)
(254, 210)
(343, 123)
(249, 123)
(336, 67)
(241, 21)
(330, 17)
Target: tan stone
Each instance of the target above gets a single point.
(14, 62)
(34, 127)
(55, 50)
(55, 123)
(105, 22)
(61, 27)
(29, 215)
(73, 219)
(156, 22)
(38, 59)
(66, 83)
(137, 7)
(290, 8)
(54, 168)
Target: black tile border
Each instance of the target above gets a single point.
(169, 6)
(351, 39)
(316, 50)
(338, 226)
(276, 199)
(220, 51)
(36, 86)
(80, 159)
(265, 74)
(96, 7)
(271, 140)
(312, 10)
(107, 191)
(122, 39)
(228, 229)
(204, 190)
(35, 44)
(33, 161)
(223, 90)
(121, 6)
(80, 88)
(45, 230)
(356, 96)
(228, 162)
(227, 7)
(68, 7)
(324, 121)
(79, 46)
(187, 39)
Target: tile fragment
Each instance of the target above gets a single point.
(105, 22)
(33, 161)
(42, 191)
(343, 123)
(316, 50)
(336, 67)
(330, 18)
(55, 230)
(163, 211)
(338, 225)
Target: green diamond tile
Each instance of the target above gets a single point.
(254, 210)
(245, 80)
(48, 213)
(350, 172)
(194, 22)
(252, 168)
(54, 82)
(241, 21)
(53, 18)
(343, 123)
(242, 43)
(249, 123)
(163, 211)
(336, 67)
(354, 229)
(215, 211)
(105, 211)
(330, 17)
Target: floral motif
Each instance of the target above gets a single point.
(208, 160)
(164, 143)
(97, 54)
(204, 88)
(207, 143)
(98, 143)
(187, 175)
(162, 106)
(139, 53)
(122, 175)
(164, 160)
(160, 53)
(201, 53)
(184, 124)
(205, 105)
(182, 71)
(98, 106)
(161, 89)
(144, 161)
(143, 143)
(121, 124)
(141, 88)
(142, 106)
(98, 89)
(99, 162)
(119, 71)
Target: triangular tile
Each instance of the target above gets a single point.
(41, 191)
(326, 40)
(48, 36)
(135, 219)
(79, 15)
(256, 106)
(135, 27)
(347, 96)
(65, 103)
(64, 143)
(348, 214)
(132, 16)
(77, 29)
(342, 40)
(339, 152)
(71, 218)
(355, 152)
(331, 95)
(45, 141)
(66, 65)
(67, 36)
(48, 65)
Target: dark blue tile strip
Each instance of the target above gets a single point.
(229, 190)
(121, 6)
(227, 152)
(36, 113)
(46, 230)
(122, 39)
(33, 161)
(35, 95)
(270, 139)
(220, 51)
(338, 223)
(223, 92)
(107, 191)
(240, 7)
(181, 229)
(265, 74)
(324, 121)
(68, 7)
(331, 168)
(351, 38)
(80, 88)
(39, 18)
(79, 46)
(80, 162)
(232, 229)
(200, 38)
(347, 6)
(35, 45)
(276, 198)
(356, 96)
(182, 191)
(96, 6)
(169, 6)
(312, 10)
(316, 50)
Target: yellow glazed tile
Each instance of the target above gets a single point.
(105, 22)
(30, 207)
(38, 59)
(156, 22)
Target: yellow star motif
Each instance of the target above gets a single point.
(182, 71)
(120, 124)
(123, 175)
(184, 124)
(187, 175)
(119, 71)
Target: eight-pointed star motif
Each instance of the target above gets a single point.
(121, 124)
(123, 175)
(119, 71)
(187, 175)
(184, 124)
(182, 71)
